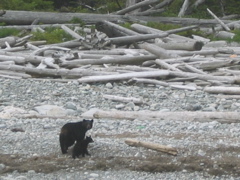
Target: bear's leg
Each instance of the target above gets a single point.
(63, 142)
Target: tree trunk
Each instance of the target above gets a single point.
(153, 146)
(223, 90)
(223, 117)
(125, 76)
(27, 17)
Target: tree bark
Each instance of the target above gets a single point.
(153, 146)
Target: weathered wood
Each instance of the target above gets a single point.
(148, 30)
(136, 6)
(225, 35)
(123, 99)
(166, 65)
(140, 37)
(223, 90)
(149, 81)
(72, 33)
(51, 72)
(153, 146)
(183, 8)
(158, 51)
(227, 79)
(27, 17)
(149, 12)
(114, 60)
(11, 40)
(222, 23)
(199, 116)
(125, 76)
(176, 45)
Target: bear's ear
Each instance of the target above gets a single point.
(92, 120)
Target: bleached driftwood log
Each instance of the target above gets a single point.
(149, 81)
(136, 6)
(223, 90)
(72, 33)
(166, 65)
(162, 4)
(16, 59)
(158, 51)
(183, 8)
(222, 117)
(142, 37)
(153, 146)
(222, 23)
(148, 30)
(225, 35)
(176, 45)
(148, 12)
(114, 30)
(11, 40)
(76, 73)
(114, 60)
(226, 79)
(124, 76)
(123, 99)
(27, 17)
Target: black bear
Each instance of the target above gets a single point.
(80, 147)
(72, 132)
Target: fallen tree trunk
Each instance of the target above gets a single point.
(222, 117)
(223, 90)
(125, 76)
(136, 6)
(27, 17)
(123, 99)
(153, 146)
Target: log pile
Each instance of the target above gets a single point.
(136, 55)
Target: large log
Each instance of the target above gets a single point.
(158, 51)
(222, 117)
(223, 90)
(125, 76)
(136, 6)
(115, 60)
(27, 17)
(153, 146)
(52, 72)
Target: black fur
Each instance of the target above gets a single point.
(72, 132)
(80, 147)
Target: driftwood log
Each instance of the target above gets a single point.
(27, 17)
(222, 117)
(153, 146)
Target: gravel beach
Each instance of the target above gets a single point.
(30, 148)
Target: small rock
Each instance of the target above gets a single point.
(94, 175)
(70, 105)
(109, 85)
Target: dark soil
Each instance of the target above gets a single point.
(228, 162)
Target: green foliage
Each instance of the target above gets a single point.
(76, 20)
(52, 35)
(8, 32)
(27, 5)
(236, 38)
